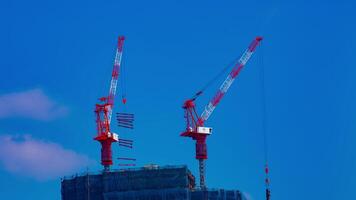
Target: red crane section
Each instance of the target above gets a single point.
(103, 112)
(267, 181)
(195, 123)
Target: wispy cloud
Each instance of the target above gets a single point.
(32, 104)
(38, 159)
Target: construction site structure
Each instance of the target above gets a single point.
(151, 182)
(267, 182)
(104, 109)
(195, 124)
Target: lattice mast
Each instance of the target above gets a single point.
(103, 112)
(195, 124)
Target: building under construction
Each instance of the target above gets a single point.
(147, 183)
(153, 182)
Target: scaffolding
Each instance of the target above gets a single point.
(147, 183)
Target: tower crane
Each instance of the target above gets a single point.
(103, 112)
(195, 124)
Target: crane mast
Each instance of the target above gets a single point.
(195, 123)
(103, 112)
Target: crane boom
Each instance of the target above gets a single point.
(115, 76)
(229, 80)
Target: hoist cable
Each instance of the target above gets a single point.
(215, 78)
(264, 122)
(263, 99)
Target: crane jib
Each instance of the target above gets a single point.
(114, 77)
(229, 79)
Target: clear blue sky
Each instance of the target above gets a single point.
(62, 53)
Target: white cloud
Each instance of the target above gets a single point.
(41, 160)
(30, 104)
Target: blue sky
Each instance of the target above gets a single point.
(56, 59)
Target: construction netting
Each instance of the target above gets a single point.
(156, 183)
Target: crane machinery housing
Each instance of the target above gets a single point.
(195, 124)
(104, 109)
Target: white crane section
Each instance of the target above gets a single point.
(208, 110)
(114, 78)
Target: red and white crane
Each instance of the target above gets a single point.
(103, 111)
(195, 124)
